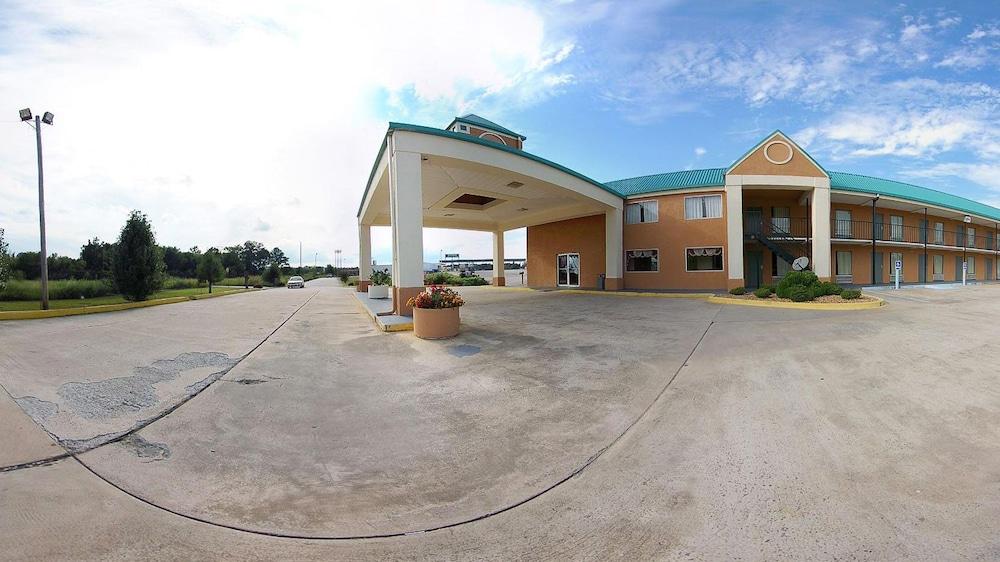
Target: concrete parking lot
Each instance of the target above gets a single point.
(282, 425)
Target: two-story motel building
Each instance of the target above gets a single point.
(711, 229)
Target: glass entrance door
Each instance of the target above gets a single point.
(568, 270)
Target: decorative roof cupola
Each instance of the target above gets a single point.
(472, 124)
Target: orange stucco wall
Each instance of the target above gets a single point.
(584, 236)
(672, 235)
(757, 164)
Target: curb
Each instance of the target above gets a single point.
(97, 309)
(634, 294)
(865, 305)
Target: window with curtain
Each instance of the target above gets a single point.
(704, 259)
(844, 263)
(703, 207)
(896, 227)
(643, 211)
(938, 265)
(842, 228)
(939, 233)
(972, 265)
(971, 236)
(642, 260)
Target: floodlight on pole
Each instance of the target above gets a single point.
(25, 115)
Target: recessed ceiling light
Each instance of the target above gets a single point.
(522, 209)
(449, 214)
(515, 184)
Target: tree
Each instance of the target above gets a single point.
(5, 261)
(27, 265)
(96, 258)
(137, 264)
(253, 258)
(278, 257)
(273, 275)
(210, 268)
(231, 260)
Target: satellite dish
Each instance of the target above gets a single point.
(800, 263)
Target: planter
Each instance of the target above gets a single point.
(378, 291)
(435, 323)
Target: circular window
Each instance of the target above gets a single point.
(778, 152)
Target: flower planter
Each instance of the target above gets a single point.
(378, 291)
(435, 323)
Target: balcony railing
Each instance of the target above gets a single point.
(888, 232)
(783, 227)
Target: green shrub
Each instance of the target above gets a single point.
(850, 294)
(352, 281)
(795, 279)
(738, 291)
(472, 280)
(379, 277)
(800, 293)
(272, 275)
(440, 278)
(762, 292)
(344, 277)
(234, 281)
(828, 288)
(180, 283)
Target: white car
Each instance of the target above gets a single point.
(296, 282)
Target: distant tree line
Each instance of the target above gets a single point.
(136, 265)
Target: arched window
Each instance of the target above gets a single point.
(493, 137)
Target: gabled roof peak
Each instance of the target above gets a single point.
(482, 122)
(794, 146)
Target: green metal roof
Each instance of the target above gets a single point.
(469, 138)
(473, 119)
(910, 192)
(686, 179)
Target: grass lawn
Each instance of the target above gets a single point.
(113, 299)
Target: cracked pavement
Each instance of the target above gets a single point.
(785, 435)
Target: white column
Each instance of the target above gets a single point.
(407, 217)
(364, 255)
(613, 252)
(734, 232)
(498, 270)
(821, 232)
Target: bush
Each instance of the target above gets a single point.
(850, 294)
(828, 288)
(738, 291)
(272, 275)
(137, 264)
(800, 293)
(344, 277)
(379, 277)
(440, 278)
(763, 292)
(472, 281)
(180, 283)
(234, 281)
(792, 279)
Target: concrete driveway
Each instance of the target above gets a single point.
(555, 426)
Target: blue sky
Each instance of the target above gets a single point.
(255, 120)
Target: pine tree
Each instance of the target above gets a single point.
(137, 264)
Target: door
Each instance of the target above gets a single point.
(989, 269)
(880, 226)
(879, 265)
(958, 268)
(754, 273)
(922, 265)
(568, 270)
(753, 220)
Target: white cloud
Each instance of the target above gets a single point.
(699, 152)
(234, 120)
(984, 32)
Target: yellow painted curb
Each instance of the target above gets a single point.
(635, 294)
(97, 309)
(864, 305)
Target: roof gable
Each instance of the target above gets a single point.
(475, 120)
(777, 155)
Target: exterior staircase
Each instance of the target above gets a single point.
(778, 240)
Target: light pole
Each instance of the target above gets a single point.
(47, 119)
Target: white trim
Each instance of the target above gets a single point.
(578, 273)
(657, 250)
(722, 211)
(791, 152)
(497, 135)
(986, 222)
(723, 254)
